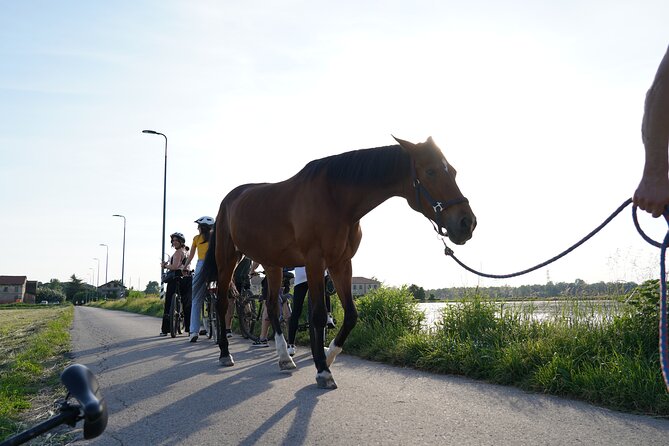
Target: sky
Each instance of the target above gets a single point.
(538, 106)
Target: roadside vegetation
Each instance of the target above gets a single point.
(592, 353)
(605, 358)
(136, 302)
(34, 341)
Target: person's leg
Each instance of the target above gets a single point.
(264, 329)
(199, 288)
(328, 305)
(299, 293)
(186, 290)
(167, 308)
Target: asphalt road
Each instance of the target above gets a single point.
(164, 391)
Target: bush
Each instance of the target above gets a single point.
(49, 295)
(390, 307)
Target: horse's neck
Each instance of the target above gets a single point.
(363, 201)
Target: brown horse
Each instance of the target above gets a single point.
(313, 219)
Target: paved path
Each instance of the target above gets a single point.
(163, 391)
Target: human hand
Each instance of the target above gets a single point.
(652, 194)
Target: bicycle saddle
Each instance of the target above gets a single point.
(83, 386)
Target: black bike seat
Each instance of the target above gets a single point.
(82, 385)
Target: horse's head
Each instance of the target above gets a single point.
(435, 192)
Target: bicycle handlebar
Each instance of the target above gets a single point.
(91, 407)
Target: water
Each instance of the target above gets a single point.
(599, 310)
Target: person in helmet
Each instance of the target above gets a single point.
(199, 246)
(177, 263)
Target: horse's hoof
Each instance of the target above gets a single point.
(226, 361)
(324, 380)
(286, 365)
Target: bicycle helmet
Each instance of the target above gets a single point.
(205, 221)
(179, 236)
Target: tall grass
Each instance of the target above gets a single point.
(150, 305)
(610, 359)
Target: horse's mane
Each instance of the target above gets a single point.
(379, 166)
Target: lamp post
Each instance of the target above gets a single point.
(123, 258)
(162, 241)
(106, 262)
(92, 282)
(98, 276)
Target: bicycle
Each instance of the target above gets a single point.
(250, 307)
(90, 406)
(176, 311)
(210, 314)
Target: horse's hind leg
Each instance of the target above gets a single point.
(341, 276)
(226, 260)
(274, 276)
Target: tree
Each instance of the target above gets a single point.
(152, 287)
(53, 284)
(50, 295)
(74, 286)
(417, 292)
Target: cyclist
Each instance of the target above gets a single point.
(242, 281)
(200, 245)
(300, 292)
(285, 313)
(176, 264)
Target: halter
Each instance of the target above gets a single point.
(437, 206)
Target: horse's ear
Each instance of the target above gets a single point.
(405, 144)
(430, 141)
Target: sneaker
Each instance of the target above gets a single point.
(228, 333)
(260, 343)
(193, 337)
(330, 322)
(162, 334)
(203, 332)
(291, 349)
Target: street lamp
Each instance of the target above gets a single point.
(106, 263)
(98, 282)
(162, 241)
(123, 258)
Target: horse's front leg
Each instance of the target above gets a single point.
(317, 321)
(341, 276)
(274, 278)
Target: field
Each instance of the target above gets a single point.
(34, 342)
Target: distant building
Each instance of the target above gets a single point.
(31, 292)
(363, 285)
(112, 290)
(12, 289)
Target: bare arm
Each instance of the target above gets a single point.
(191, 254)
(652, 194)
(175, 264)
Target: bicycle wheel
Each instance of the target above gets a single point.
(246, 314)
(174, 315)
(180, 314)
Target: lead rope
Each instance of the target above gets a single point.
(663, 344)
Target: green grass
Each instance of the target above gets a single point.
(34, 341)
(150, 305)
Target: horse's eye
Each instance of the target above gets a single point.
(430, 172)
